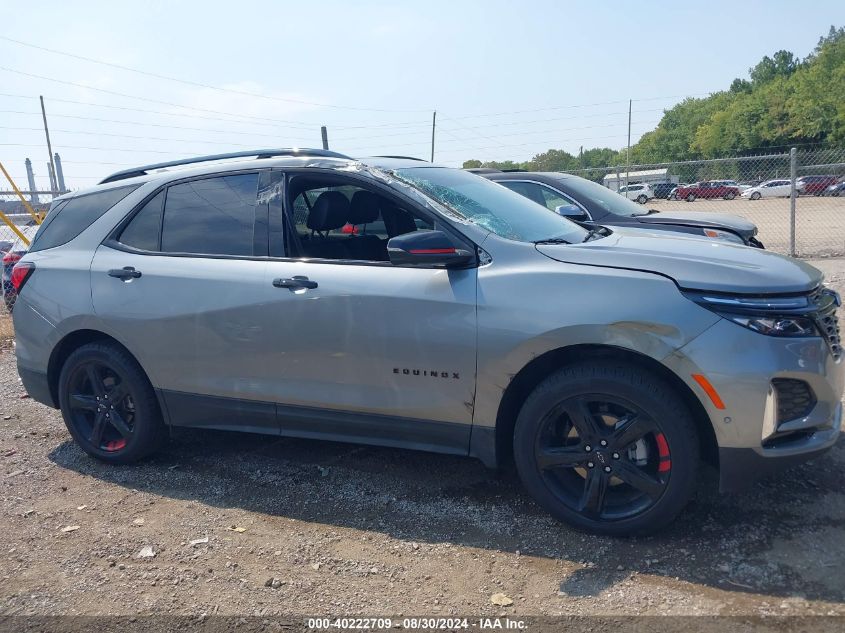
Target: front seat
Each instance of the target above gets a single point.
(330, 212)
(365, 207)
(397, 221)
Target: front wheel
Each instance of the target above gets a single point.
(730, 196)
(108, 404)
(755, 195)
(690, 197)
(607, 447)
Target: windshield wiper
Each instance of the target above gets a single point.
(553, 240)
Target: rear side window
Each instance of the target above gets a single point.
(212, 216)
(145, 228)
(66, 222)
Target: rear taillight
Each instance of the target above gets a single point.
(11, 258)
(20, 274)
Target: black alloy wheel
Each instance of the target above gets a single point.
(607, 447)
(108, 404)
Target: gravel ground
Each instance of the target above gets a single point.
(250, 525)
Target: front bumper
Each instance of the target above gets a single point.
(741, 365)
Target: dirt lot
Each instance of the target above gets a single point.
(341, 529)
(819, 222)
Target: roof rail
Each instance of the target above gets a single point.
(404, 158)
(258, 153)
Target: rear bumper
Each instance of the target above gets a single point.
(37, 386)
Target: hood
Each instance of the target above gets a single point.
(738, 225)
(694, 263)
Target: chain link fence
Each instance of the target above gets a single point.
(17, 227)
(796, 198)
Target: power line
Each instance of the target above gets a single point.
(277, 123)
(198, 84)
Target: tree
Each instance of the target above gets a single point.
(472, 164)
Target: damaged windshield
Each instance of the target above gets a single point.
(492, 206)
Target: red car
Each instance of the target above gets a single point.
(709, 189)
(814, 185)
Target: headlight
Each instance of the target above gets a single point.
(772, 316)
(724, 235)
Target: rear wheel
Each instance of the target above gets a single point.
(690, 197)
(642, 198)
(607, 447)
(108, 404)
(755, 195)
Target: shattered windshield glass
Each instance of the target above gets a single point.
(491, 206)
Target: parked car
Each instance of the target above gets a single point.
(663, 189)
(835, 190)
(708, 189)
(814, 185)
(592, 205)
(732, 183)
(11, 256)
(642, 193)
(605, 362)
(769, 189)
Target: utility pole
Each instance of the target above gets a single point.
(52, 170)
(433, 125)
(628, 150)
(325, 134)
(581, 157)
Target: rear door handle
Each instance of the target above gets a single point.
(295, 283)
(127, 272)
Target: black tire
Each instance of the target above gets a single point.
(756, 195)
(690, 197)
(642, 198)
(655, 405)
(730, 196)
(129, 423)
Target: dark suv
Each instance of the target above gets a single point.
(591, 205)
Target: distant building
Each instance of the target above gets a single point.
(649, 176)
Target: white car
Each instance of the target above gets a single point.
(769, 189)
(640, 192)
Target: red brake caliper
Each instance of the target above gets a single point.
(665, 464)
(116, 445)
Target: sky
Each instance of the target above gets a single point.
(508, 79)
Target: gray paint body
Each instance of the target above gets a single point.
(217, 327)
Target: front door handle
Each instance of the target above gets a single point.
(298, 282)
(127, 272)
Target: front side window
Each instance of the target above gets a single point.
(334, 219)
(494, 208)
(211, 216)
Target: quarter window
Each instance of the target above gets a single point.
(211, 216)
(64, 223)
(144, 229)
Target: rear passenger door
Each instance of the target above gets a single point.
(180, 283)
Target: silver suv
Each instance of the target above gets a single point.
(395, 302)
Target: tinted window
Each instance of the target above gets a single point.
(144, 229)
(213, 216)
(66, 222)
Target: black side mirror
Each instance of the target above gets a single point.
(427, 249)
(571, 211)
